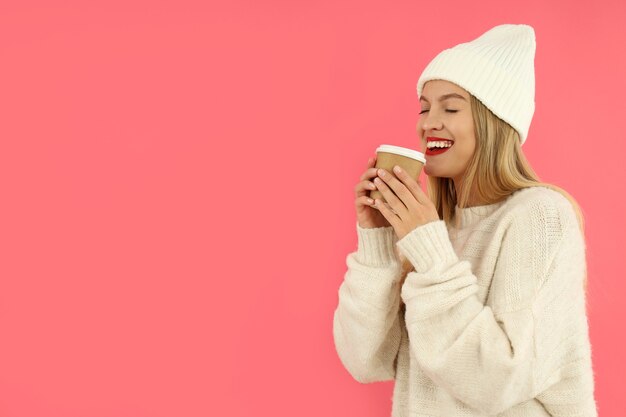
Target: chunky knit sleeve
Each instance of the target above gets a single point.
(532, 342)
(366, 325)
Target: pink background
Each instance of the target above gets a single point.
(177, 182)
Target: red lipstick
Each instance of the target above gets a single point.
(437, 151)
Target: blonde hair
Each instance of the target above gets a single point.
(498, 168)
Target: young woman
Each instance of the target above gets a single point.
(473, 297)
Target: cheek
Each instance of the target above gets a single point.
(469, 140)
(420, 136)
(467, 149)
(468, 128)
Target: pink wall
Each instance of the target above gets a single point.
(177, 184)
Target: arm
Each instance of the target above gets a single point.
(534, 336)
(366, 327)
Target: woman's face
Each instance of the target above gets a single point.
(446, 117)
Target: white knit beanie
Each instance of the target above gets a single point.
(498, 68)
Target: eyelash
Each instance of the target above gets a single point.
(449, 111)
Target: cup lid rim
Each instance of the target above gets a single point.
(399, 150)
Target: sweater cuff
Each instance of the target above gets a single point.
(376, 246)
(428, 245)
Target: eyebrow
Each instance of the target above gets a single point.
(445, 97)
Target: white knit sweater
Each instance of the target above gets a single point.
(495, 320)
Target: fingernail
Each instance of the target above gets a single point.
(397, 169)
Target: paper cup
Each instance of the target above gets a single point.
(388, 156)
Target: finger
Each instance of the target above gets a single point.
(364, 201)
(398, 197)
(385, 209)
(371, 164)
(363, 187)
(412, 184)
(369, 173)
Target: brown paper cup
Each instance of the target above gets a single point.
(388, 156)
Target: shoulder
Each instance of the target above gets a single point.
(543, 203)
(540, 212)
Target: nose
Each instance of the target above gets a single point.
(430, 121)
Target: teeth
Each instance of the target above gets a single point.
(439, 144)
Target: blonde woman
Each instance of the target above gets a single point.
(473, 297)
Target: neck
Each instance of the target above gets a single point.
(474, 199)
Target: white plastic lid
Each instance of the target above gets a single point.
(409, 153)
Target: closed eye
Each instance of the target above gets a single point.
(449, 111)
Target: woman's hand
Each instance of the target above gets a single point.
(367, 216)
(409, 207)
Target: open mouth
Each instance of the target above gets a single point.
(438, 147)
